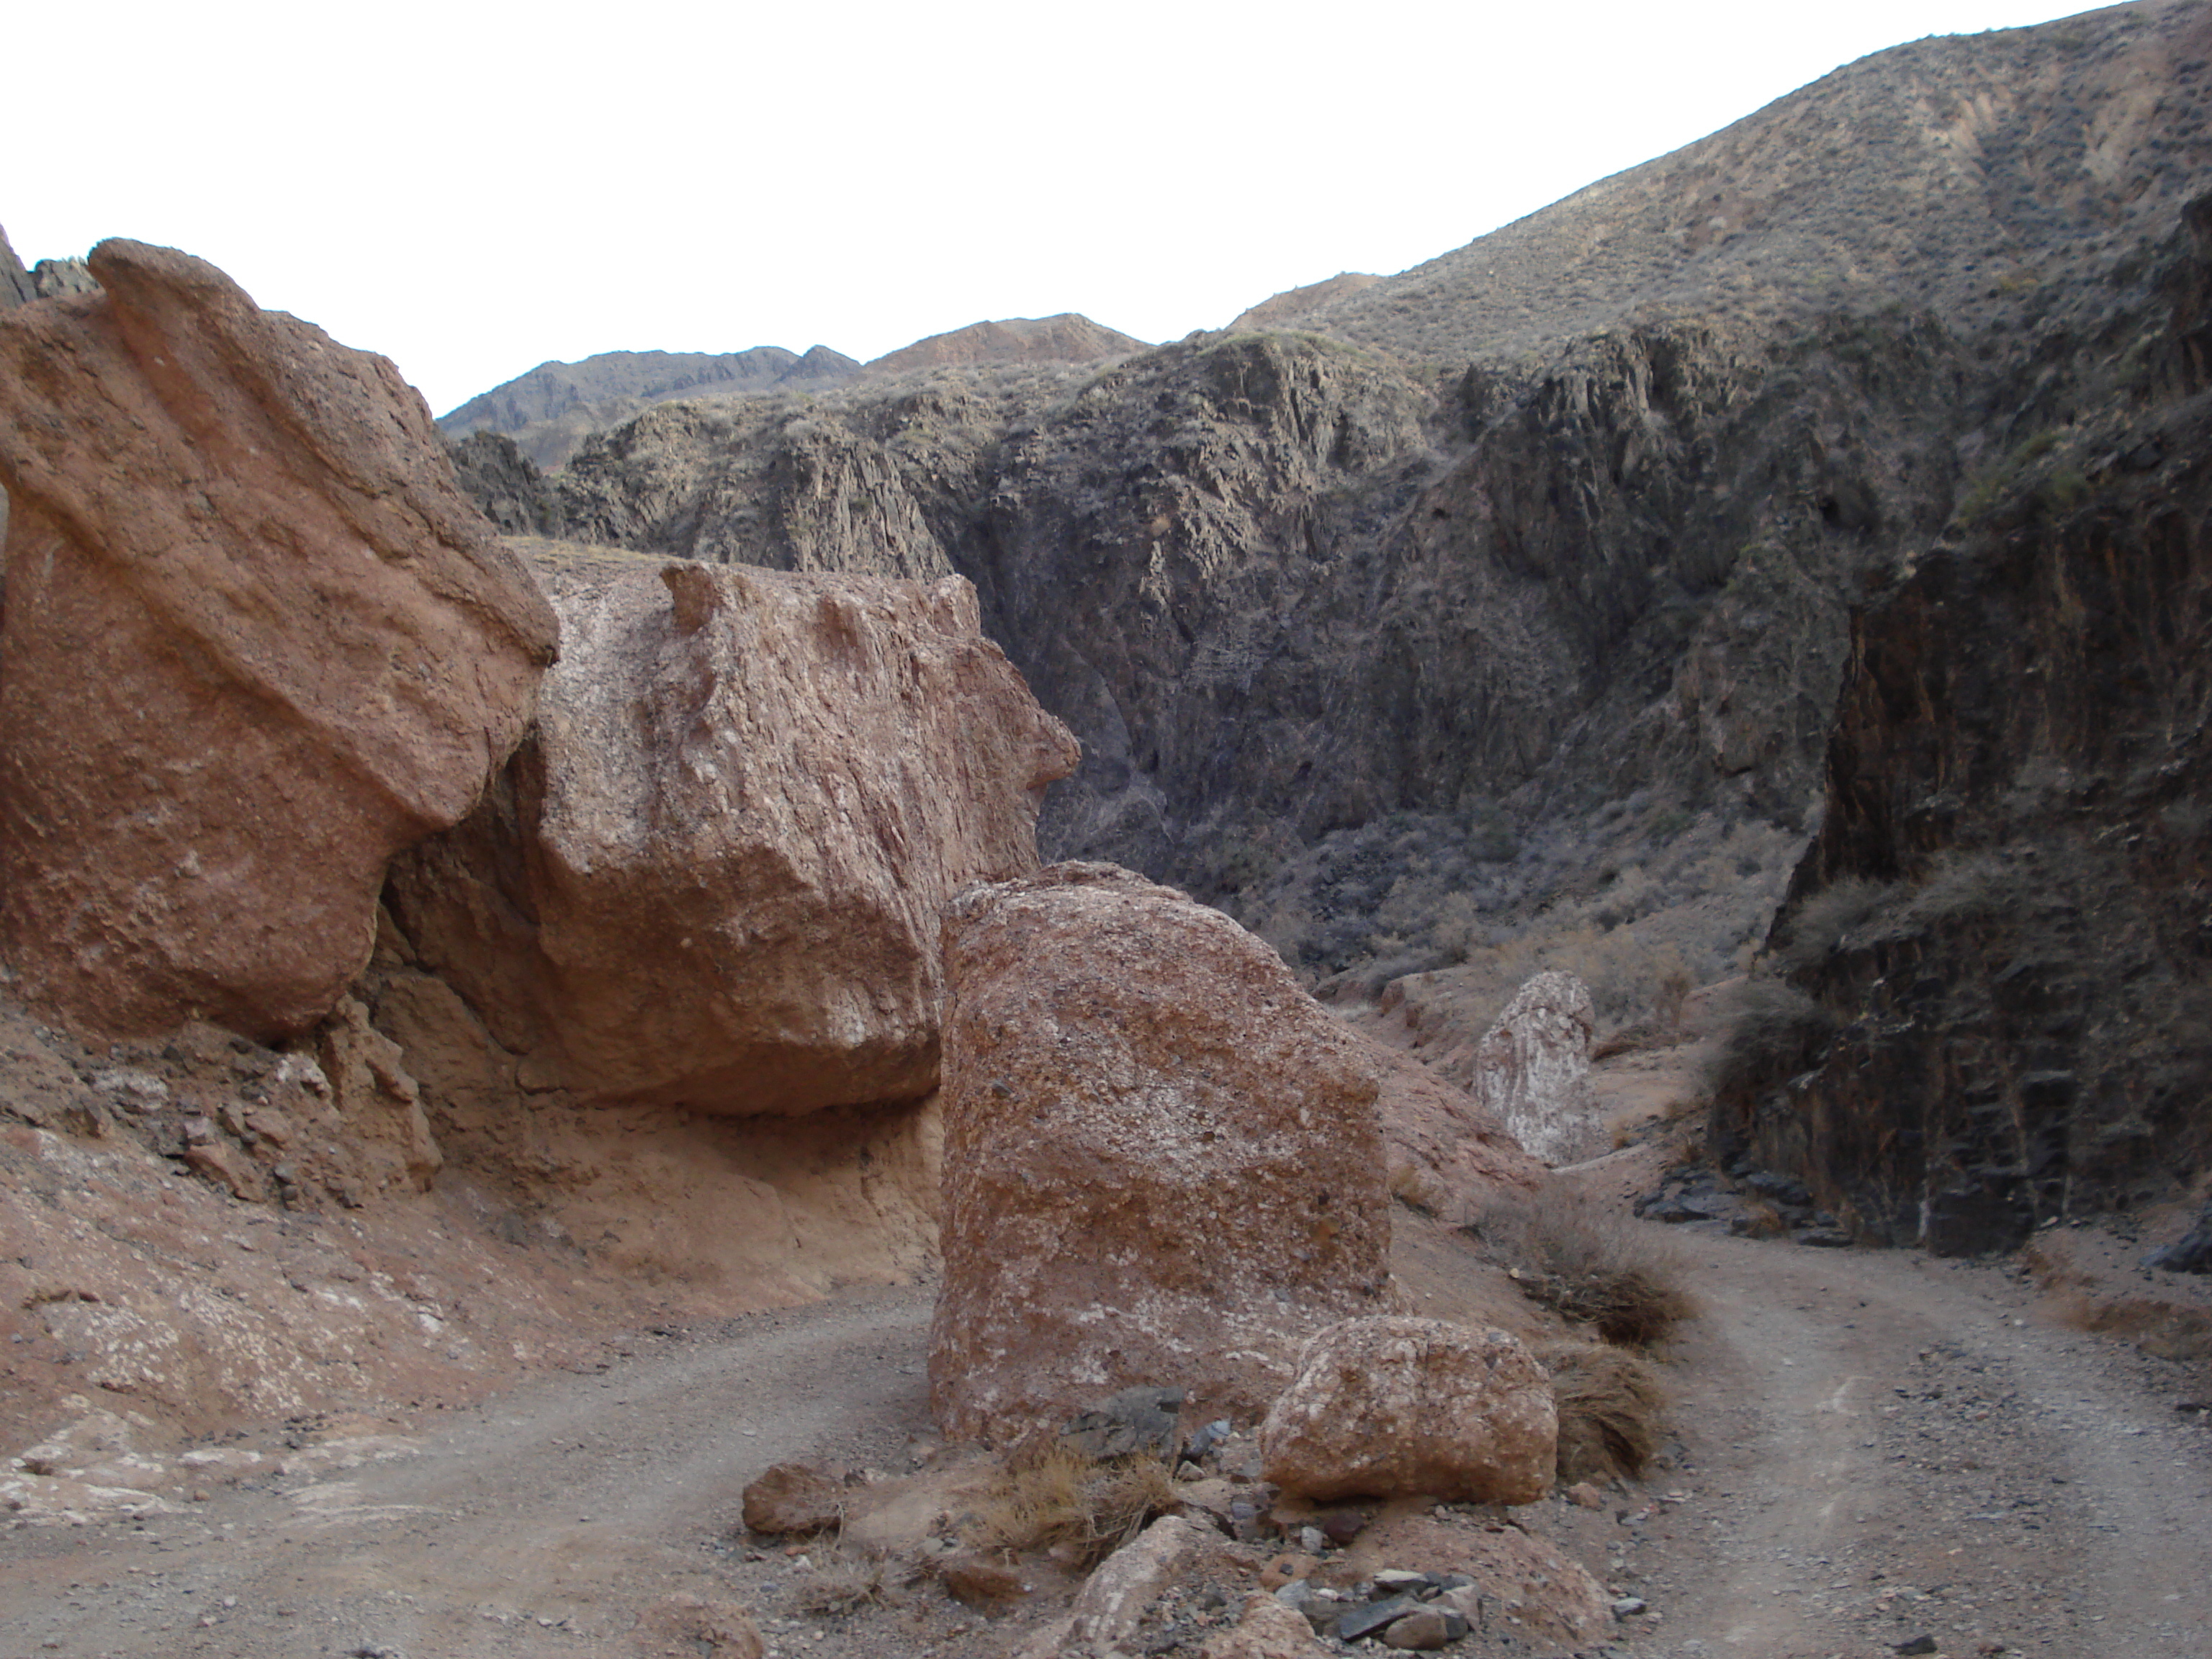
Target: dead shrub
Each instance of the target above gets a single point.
(1419, 1188)
(1054, 1498)
(844, 1581)
(1770, 1029)
(1586, 1262)
(1611, 1406)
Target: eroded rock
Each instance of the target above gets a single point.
(1395, 1407)
(712, 877)
(254, 643)
(1532, 1069)
(1162, 1160)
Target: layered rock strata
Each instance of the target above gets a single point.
(1163, 1159)
(255, 642)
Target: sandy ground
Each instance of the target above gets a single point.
(1870, 1447)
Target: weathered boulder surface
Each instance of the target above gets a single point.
(1532, 1067)
(1394, 1407)
(712, 875)
(1163, 1162)
(255, 641)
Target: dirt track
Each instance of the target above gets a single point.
(1872, 1447)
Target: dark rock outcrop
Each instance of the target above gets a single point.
(16, 285)
(1999, 948)
(506, 486)
(553, 409)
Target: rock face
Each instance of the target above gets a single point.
(1532, 1069)
(1399, 1406)
(1991, 1005)
(509, 491)
(1163, 1163)
(255, 642)
(712, 875)
(16, 285)
(1570, 520)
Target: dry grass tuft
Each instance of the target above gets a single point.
(1587, 1261)
(845, 1581)
(1056, 1497)
(1611, 1406)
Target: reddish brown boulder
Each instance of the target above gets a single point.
(1399, 1406)
(254, 642)
(795, 1498)
(1163, 1163)
(712, 877)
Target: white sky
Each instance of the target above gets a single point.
(473, 188)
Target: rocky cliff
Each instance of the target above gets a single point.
(1990, 1006)
(16, 285)
(1526, 559)
(550, 411)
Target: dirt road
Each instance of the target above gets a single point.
(1872, 1449)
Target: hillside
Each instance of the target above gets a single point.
(550, 411)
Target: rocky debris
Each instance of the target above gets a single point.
(369, 1086)
(1139, 1419)
(55, 278)
(1532, 1069)
(2190, 1254)
(1753, 1203)
(711, 878)
(1396, 1405)
(1265, 1630)
(795, 1498)
(1110, 1613)
(1162, 1160)
(256, 643)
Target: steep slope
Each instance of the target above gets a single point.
(1510, 579)
(1996, 1009)
(14, 282)
(1959, 173)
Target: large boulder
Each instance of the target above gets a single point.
(712, 877)
(1163, 1161)
(1396, 1406)
(254, 643)
(1532, 1069)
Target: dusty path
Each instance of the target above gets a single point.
(1880, 1448)
(549, 1521)
(1872, 1448)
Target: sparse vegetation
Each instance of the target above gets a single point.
(846, 1580)
(1769, 1029)
(1587, 1262)
(1054, 1497)
(1611, 1406)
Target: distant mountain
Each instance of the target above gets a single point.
(549, 411)
(1067, 338)
(1285, 310)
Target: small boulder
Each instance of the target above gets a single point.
(794, 1498)
(1399, 1406)
(1265, 1630)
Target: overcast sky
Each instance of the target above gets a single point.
(473, 188)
